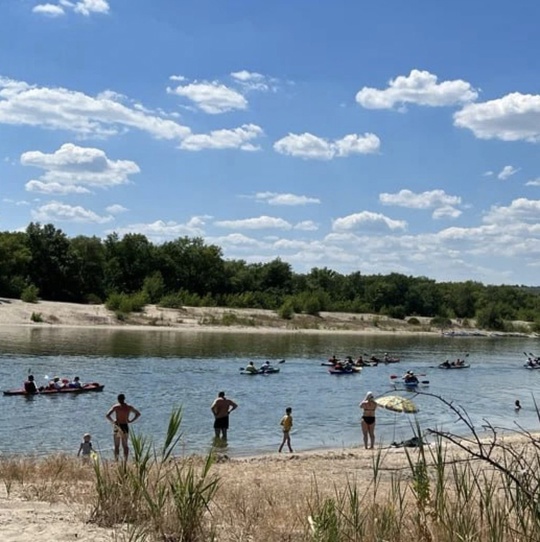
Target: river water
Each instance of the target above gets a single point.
(160, 370)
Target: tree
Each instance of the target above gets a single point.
(52, 268)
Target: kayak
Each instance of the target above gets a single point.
(272, 370)
(464, 366)
(531, 367)
(345, 371)
(94, 386)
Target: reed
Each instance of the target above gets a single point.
(457, 489)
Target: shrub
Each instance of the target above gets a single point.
(413, 321)
(36, 317)
(30, 294)
(286, 311)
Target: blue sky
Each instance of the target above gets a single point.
(375, 137)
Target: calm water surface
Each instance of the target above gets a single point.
(159, 370)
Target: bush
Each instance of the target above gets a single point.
(413, 321)
(286, 311)
(30, 294)
(126, 303)
(36, 317)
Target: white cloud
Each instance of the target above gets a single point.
(237, 138)
(309, 146)
(71, 167)
(273, 198)
(513, 117)
(55, 211)
(507, 172)
(82, 7)
(306, 225)
(259, 223)
(443, 203)
(446, 211)
(253, 81)
(62, 109)
(211, 96)
(87, 7)
(49, 10)
(521, 210)
(116, 209)
(533, 182)
(161, 230)
(367, 220)
(419, 87)
(53, 188)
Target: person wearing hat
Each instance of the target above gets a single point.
(368, 406)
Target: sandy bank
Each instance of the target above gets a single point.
(14, 312)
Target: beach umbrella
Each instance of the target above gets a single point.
(395, 403)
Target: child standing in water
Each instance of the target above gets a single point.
(286, 423)
(85, 449)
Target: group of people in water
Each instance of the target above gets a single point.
(56, 383)
(457, 363)
(372, 361)
(266, 367)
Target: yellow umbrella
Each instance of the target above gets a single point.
(397, 404)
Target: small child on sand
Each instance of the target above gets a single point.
(287, 423)
(86, 447)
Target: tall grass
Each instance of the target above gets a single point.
(476, 490)
(162, 496)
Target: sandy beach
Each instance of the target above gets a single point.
(15, 312)
(62, 516)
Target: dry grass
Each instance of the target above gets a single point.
(454, 490)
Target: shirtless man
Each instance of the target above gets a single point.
(122, 412)
(221, 408)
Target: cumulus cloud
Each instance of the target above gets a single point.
(520, 210)
(55, 211)
(237, 138)
(250, 81)
(116, 209)
(443, 203)
(258, 223)
(419, 87)
(309, 146)
(273, 198)
(513, 117)
(306, 225)
(71, 168)
(211, 96)
(533, 182)
(507, 172)
(62, 109)
(49, 10)
(367, 221)
(161, 230)
(82, 7)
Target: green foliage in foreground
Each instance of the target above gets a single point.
(488, 493)
(161, 497)
(131, 271)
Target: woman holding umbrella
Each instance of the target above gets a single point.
(368, 406)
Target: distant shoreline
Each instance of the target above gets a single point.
(14, 312)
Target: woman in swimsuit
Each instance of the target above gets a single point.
(368, 406)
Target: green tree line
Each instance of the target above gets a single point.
(43, 261)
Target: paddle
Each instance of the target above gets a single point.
(281, 361)
(415, 374)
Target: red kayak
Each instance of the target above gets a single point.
(94, 386)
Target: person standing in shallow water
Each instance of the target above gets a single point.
(121, 412)
(286, 424)
(221, 408)
(368, 406)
